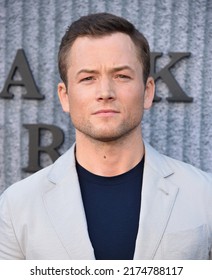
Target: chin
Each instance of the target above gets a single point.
(108, 134)
(110, 137)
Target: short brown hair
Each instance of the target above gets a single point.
(98, 25)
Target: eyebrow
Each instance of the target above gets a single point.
(89, 71)
(120, 68)
(115, 69)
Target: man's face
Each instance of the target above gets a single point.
(105, 92)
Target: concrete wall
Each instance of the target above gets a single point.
(181, 130)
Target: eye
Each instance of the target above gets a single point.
(122, 77)
(87, 79)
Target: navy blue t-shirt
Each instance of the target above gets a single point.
(112, 208)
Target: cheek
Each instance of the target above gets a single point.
(78, 107)
(135, 99)
(81, 99)
(135, 106)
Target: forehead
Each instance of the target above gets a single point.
(114, 48)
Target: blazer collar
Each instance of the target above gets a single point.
(62, 166)
(157, 161)
(153, 160)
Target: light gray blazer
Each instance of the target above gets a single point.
(42, 216)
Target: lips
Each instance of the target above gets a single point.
(106, 112)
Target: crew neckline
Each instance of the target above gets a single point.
(92, 177)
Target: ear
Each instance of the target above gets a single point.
(149, 93)
(63, 97)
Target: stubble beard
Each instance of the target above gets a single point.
(108, 134)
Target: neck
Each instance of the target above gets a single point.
(109, 158)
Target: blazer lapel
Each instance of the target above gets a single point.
(65, 208)
(157, 201)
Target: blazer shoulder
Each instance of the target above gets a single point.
(188, 175)
(42, 180)
(187, 168)
(177, 171)
(30, 186)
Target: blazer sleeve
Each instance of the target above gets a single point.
(9, 246)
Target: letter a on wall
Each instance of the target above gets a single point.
(21, 65)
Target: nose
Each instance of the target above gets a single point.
(105, 90)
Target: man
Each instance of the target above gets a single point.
(111, 196)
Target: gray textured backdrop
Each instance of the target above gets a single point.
(181, 130)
